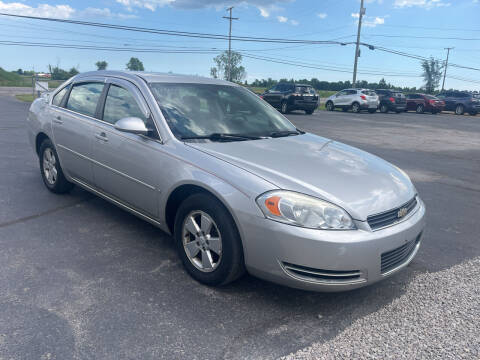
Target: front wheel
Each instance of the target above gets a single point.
(284, 107)
(207, 241)
(329, 106)
(356, 107)
(52, 173)
(459, 110)
(383, 108)
(419, 109)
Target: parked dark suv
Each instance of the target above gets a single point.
(461, 102)
(391, 100)
(288, 97)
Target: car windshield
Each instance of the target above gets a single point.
(431, 97)
(304, 90)
(199, 110)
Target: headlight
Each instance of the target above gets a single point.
(302, 210)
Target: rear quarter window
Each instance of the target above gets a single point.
(57, 99)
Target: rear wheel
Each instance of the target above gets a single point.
(419, 109)
(51, 170)
(284, 107)
(383, 108)
(207, 241)
(459, 109)
(329, 106)
(356, 107)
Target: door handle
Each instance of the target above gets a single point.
(102, 136)
(58, 120)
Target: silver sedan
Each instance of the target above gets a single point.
(237, 185)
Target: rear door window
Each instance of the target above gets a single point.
(84, 98)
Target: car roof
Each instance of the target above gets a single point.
(153, 77)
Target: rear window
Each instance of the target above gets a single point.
(304, 90)
(398, 94)
(476, 96)
(369, 92)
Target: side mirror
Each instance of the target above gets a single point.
(131, 125)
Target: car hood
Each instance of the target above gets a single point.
(359, 182)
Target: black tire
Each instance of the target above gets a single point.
(473, 113)
(459, 109)
(284, 107)
(383, 108)
(309, 112)
(420, 109)
(231, 265)
(372, 111)
(329, 106)
(356, 107)
(60, 184)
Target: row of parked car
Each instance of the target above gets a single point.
(288, 96)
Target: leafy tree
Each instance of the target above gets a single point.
(20, 72)
(432, 73)
(235, 72)
(72, 72)
(135, 64)
(61, 74)
(101, 65)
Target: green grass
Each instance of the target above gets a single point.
(8, 78)
(25, 97)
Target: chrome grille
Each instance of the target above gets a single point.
(321, 275)
(396, 257)
(392, 216)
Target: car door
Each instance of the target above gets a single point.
(339, 98)
(72, 124)
(450, 101)
(125, 165)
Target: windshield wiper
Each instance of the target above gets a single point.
(223, 137)
(276, 134)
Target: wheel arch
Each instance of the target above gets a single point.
(39, 139)
(182, 192)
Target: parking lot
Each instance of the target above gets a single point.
(82, 279)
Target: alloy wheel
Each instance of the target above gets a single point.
(49, 166)
(202, 241)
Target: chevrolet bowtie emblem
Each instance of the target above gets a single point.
(402, 212)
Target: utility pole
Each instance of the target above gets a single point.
(446, 64)
(357, 48)
(230, 18)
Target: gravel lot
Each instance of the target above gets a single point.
(82, 279)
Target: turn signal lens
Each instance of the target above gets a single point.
(271, 204)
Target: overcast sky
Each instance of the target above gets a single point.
(403, 25)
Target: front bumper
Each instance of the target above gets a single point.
(345, 260)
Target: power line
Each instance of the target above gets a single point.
(176, 33)
(425, 37)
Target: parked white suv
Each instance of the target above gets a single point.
(355, 99)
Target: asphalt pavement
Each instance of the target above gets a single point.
(82, 279)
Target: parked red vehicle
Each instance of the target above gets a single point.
(423, 102)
